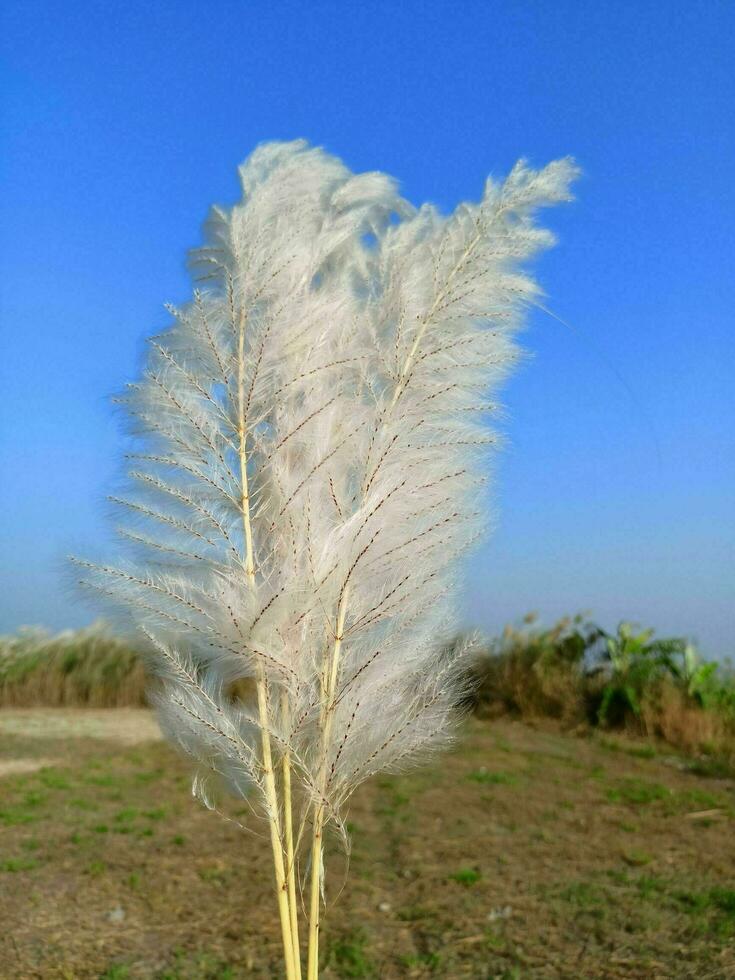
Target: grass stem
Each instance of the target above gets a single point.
(287, 916)
(290, 857)
(329, 686)
(274, 822)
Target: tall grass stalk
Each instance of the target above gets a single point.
(311, 443)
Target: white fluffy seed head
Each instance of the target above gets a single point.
(313, 432)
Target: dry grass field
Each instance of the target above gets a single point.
(524, 853)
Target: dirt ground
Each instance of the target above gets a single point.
(524, 853)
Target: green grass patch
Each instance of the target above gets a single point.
(699, 799)
(714, 767)
(103, 779)
(584, 895)
(348, 955)
(466, 876)
(34, 799)
(645, 885)
(79, 803)
(15, 816)
(713, 910)
(649, 886)
(640, 793)
(422, 961)
(392, 799)
(214, 873)
(636, 858)
(13, 865)
(496, 941)
(157, 814)
(486, 778)
(54, 779)
(149, 775)
(126, 816)
(118, 971)
(628, 748)
(637, 792)
(195, 966)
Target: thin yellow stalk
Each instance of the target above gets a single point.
(274, 822)
(312, 972)
(327, 713)
(290, 857)
(291, 954)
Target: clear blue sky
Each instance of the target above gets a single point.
(123, 121)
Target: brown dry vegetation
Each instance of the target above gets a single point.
(674, 718)
(524, 853)
(89, 667)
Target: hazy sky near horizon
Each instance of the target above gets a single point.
(123, 122)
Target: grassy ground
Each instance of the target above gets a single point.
(523, 854)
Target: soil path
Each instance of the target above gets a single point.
(125, 726)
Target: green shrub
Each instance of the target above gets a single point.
(576, 672)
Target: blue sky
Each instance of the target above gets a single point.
(122, 123)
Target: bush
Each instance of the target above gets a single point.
(87, 667)
(633, 665)
(538, 672)
(576, 672)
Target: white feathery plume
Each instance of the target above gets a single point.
(313, 443)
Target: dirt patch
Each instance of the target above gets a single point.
(522, 854)
(11, 767)
(128, 726)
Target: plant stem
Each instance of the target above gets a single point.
(274, 822)
(290, 858)
(290, 952)
(316, 867)
(327, 714)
